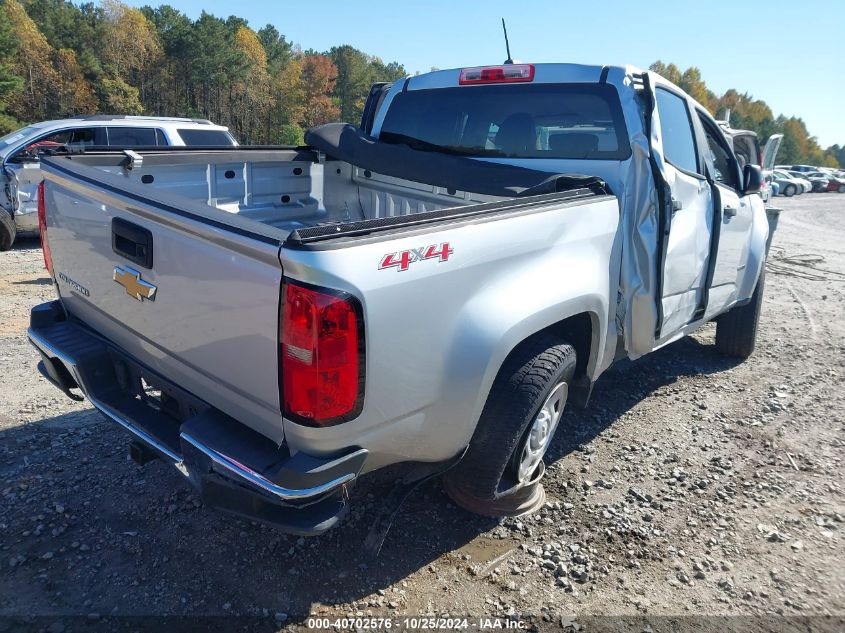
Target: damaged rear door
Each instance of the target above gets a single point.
(686, 217)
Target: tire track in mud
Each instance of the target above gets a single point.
(808, 315)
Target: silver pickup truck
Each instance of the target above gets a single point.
(431, 287)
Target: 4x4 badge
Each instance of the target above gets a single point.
(135, 286)
(402, 260)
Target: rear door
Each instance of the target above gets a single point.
(734, 214)
(686, 219)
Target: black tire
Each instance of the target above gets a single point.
(841, 189)
(736, 331)
(789, 191)
(519, 390)
(8, 230)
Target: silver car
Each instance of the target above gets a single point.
(20, 153)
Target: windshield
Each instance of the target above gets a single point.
(13, 137)
(515, 121)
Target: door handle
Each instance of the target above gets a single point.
(729, 211)
(132, 242)
(677, 205)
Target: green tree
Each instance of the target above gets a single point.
(356, 72)
(66, 25)
(215, 63)
(290, 134)
(174, 88)
(279, 51)
(10, 83)
(120, 97)
(670, 72)
(33, 62)
(353, 80)
(251, 97)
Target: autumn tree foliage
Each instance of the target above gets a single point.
(319, 75)
(59, 58)
(10, 83)
(33, 63)
(748, 113)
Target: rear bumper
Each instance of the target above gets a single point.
(234, 468)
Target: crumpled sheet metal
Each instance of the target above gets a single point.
(638, 275)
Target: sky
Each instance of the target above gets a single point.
(787, 53)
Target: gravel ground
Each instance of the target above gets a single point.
(691, 487)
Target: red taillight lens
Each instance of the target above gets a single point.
(322, 362)
(42, 229)
(509, 73)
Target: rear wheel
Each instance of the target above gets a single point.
(499, 475)
(736, 330)
(789, 191)
(8, 231)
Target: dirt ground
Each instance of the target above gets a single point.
(692, 487)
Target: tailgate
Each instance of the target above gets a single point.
(187, 290)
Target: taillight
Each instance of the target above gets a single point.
(42, 229)
(509, 73)
(322, 362)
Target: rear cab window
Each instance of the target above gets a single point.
(208, 138)
(575, 121)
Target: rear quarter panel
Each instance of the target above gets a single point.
(437, 333)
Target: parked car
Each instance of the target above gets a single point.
(409, 291)
(826, 181)
(801, 177)
(789, 186)
(21, 150)
(800, 168)
(819, 180)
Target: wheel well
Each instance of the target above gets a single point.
(576, 330)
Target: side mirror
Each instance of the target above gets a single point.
(752, 179)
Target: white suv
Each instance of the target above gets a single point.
(20, 150)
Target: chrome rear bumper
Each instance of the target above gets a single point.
(235, 468)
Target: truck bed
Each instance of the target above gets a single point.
(286, 189)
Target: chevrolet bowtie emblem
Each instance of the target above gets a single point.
(135, 286)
